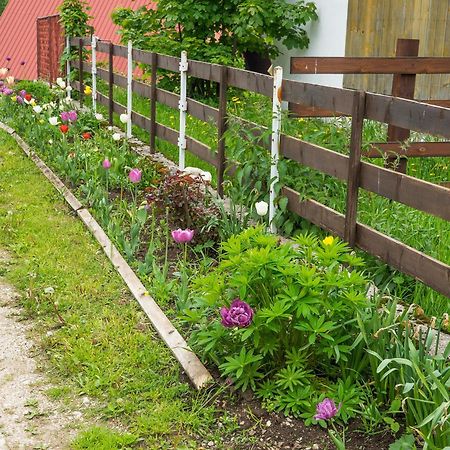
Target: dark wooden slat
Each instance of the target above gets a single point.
(142, 56)
(324, 97)
(409, 114)
(168, 63)
(353, 178)
(166, 133)
(203, 70)
(403, 85)
(430, 271)
(102, 47)
(75, 41)
(154, 80)
(369, 65)
(201, 150)
(411, 150)
(250, 81)
(318, 158)
(410, 191)
(222, 126)
(311, 111)
(120, 50)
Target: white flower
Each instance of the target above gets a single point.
(110, 128)
(50, 141)
(49, 290)
(99, 117)
(261, 208)
(61, 83)
(37, 109)
(10, 79)
(53, 121)
(124, 118)
(116, 136)
(3, 71)
(69, 88)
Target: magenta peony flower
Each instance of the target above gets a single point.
(22, 93)
(106, 164)
(182, 236)
(240, 314)
(326, 409)
(135, 175)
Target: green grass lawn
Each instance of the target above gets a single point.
(105, 348)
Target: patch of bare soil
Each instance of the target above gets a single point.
(29, 419)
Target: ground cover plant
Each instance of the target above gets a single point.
(291, 323)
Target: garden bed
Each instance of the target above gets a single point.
(340, 345)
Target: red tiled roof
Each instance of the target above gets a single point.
(18, 29)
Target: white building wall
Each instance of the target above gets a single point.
(327, 38)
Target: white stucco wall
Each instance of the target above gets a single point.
(327, 38)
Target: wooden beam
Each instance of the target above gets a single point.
(410, 150)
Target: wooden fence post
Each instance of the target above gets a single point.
(81, 69)
(111, 84)
(153, 103)
(403, 85)
(354, 167)
(222, 127)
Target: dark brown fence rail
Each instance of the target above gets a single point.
(399, 112)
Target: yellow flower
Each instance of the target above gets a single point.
(14, 98)
(41, 121)
(328, 240)
(87, 90)
(33, 102)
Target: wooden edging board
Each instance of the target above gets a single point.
(195, 370)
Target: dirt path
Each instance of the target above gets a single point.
(28, 418)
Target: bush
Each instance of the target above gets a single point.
(287, 314)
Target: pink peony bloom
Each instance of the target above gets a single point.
(181, 236)
(240, 314)
(135, 175)
(106, 164)
(326, 409)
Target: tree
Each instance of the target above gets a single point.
(75, 17)
(219, 29)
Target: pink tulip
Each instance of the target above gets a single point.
(135, 175)
(106, 164)
(181, 236)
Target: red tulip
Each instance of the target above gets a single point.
(28, 97)
(86, 135)
(64, 128)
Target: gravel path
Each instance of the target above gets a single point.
(28, 418)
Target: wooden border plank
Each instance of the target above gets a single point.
(411, 149)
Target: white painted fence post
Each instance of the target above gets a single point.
(69, 94)
(275, 147)
(182, 106)
(129, 87)
(94, 73)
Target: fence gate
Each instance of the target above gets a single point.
(50, 45)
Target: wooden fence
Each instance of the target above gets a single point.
(403, 113)
(404, 66)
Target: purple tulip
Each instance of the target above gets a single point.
(7, 91)
(326, 409)
(1, 84)
(73, 116)
(182, 236)
(135, 175)
(22, 93)
(106, 164)
(240, 314)
(64, 116)
(19, 100)
(22, 63)
(8, 58)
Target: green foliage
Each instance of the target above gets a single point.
(304, 302)
(217, 31)
(75, 18)
(3, 4)
(103, 439)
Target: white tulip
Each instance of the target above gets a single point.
(99, 117)
(110, 128)
(37, 109)
(124, 118)
(261, 208)
(50, 141)
(61, 83)
(116, 136)
(10, 79)
(53, 121)
(3, 71)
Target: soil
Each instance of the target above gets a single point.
(29, 419)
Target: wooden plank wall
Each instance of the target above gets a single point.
(374, 27)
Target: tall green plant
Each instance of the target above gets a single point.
(74, 17)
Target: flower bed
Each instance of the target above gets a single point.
(291, 323)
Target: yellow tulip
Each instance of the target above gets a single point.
(87, 90)
(33, 102)
(328, 240)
